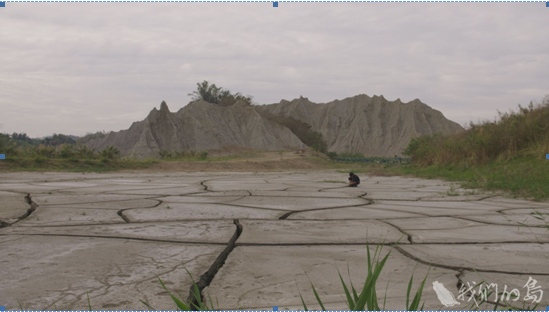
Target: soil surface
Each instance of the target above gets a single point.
(111, 236)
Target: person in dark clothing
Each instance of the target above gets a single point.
(354, 180)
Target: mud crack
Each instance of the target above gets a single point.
(207, 277)
(286, 215)
(33, 206)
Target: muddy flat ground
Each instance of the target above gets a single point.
(111, 236)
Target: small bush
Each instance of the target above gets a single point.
(164, 154)
(84, 152)
(39, 160)
(7, 146)
(332, 155)
(110, 153)
(46, 151)
(67, 151)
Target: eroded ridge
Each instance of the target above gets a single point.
(111, 235)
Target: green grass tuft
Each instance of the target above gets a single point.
(367, 299)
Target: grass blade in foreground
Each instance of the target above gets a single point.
(367, 299)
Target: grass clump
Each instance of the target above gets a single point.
(200, 305)
(367, 299)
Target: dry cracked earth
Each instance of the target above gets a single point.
(111, 236)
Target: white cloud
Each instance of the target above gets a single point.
(80, 67)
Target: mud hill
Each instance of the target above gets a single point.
(372, 126)
(369, 125)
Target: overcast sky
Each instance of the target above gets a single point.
(75, 68)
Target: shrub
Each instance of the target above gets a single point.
(217, 95)
(332, 155)
(110, 153)
(84, 152)
(67, 151)
(45, 151)
(7, 146)
(164, 154)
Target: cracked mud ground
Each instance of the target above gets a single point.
(110, 235)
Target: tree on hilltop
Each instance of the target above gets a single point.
(58, 139)
(217, 95)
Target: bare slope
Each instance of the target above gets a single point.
(369, 125)
(199, 126)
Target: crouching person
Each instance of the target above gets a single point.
(354, 180)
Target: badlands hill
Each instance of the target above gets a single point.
(369, 125)
(372, 126)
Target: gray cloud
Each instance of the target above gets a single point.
(81, 67)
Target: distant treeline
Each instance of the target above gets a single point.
(22, 139)
(20, 145)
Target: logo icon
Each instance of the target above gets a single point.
(444, 295)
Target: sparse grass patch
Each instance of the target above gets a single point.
(367, 299)
(522, 177)
(201, 305)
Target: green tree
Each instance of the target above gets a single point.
(7, 146)
(58, 139)
(217, 95)
(22, 139)
(207, 92)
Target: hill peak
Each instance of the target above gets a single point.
(164, 107)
